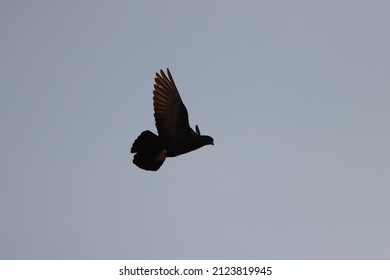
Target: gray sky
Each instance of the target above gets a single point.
(296, 95)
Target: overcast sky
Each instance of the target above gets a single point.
(296, 95)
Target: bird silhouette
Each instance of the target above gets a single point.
(175, 136)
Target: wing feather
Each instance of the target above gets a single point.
(170, 114)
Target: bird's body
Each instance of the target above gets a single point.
(175, 136)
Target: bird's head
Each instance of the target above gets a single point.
(205, 139)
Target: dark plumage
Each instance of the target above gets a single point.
(175, 136)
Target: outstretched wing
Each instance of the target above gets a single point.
(170, 114)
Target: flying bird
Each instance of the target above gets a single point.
(175, 136)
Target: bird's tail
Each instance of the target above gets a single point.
(149, 152)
